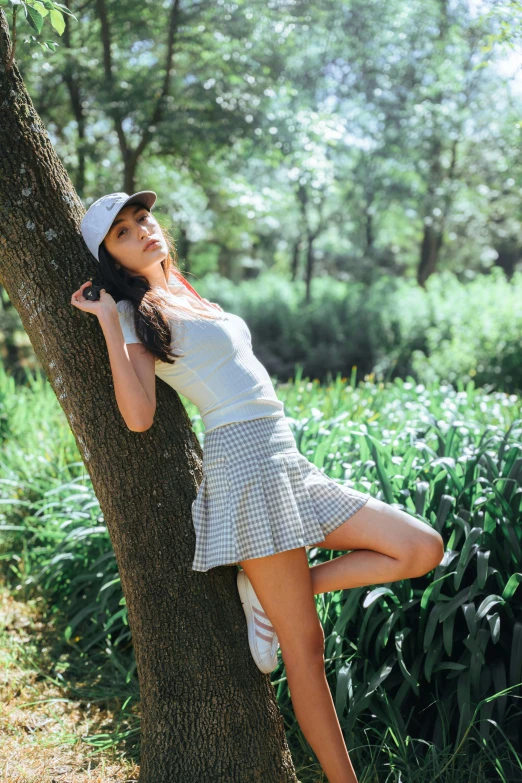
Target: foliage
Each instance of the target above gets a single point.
(421, 654)
(454, 330)
(346, 129)
(35, 12)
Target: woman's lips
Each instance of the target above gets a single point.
(151, 243)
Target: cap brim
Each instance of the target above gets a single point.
(147, 197)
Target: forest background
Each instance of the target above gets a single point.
(349, 174)
(346, 175)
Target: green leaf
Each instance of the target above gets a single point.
(387, 627)
(466, 554)
(500, 684)
(343, 689)
(348, 613)
(458, 667)
(447, 633)
(34, 18)
(432, 658)
(81, 615)
(373, 595)
(463, 690)
(431, 587)
(64, 9)
(487, 604)
(377, 449)
(320, 454)
(109, 583)
(494, 625)
(484, 725)
(470, 613)
(399, 639)
(57, 21)
(445, 505)
(381, 674)
(431, 625)
(515, 664)
(510, 533)
(422, 489)
(121, 614)
(464, 722)
(448, 465)
(40, 8)
(512, 584)
(478, 660)
(474, 647)
(482, 567)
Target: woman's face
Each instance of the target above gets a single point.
(128, 237)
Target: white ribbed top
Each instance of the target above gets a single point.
(218, 372)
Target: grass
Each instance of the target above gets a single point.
(55, 705)
(72, 716)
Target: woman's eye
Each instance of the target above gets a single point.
(123, 229)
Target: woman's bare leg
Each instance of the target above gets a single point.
(389, 545)
(283, 584)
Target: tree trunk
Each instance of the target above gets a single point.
(433, 236)
(429, 255)
(207, 712)
(310, 263)
(70, 77)
(183, 246)
(509, 254)
(294, 265)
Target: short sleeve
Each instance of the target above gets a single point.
(126, 316)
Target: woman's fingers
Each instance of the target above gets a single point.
(79, 292)
(78, 298)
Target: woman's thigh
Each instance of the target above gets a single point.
(383, 528)
(283, 584)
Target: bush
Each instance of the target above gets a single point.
(451, 331)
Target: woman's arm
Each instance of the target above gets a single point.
(133, 371)
(134, 380)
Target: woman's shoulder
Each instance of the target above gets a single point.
(124, 305)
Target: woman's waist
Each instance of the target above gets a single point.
(244, 440)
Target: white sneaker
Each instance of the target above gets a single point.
(262, 638)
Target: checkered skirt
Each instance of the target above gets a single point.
(259, 495)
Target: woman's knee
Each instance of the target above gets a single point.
(425, 551)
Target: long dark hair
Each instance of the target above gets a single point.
(152, 310)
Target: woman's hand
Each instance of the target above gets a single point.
(103, 308)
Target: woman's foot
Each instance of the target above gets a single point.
(262, 637)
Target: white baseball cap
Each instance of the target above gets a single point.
(100, 216)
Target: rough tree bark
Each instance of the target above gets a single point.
(207, 712)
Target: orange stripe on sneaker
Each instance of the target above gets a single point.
(262, 635)
(266, 626)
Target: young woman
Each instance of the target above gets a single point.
(261, 503)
